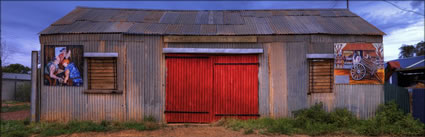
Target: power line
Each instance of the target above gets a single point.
(403, 9)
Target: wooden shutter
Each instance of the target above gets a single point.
(321, 76)
(102, 73)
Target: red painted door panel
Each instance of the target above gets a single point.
(236, 87)
(188, 89)
(204, 88)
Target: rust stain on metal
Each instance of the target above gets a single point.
(270, 81)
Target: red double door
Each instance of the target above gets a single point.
(203, 88)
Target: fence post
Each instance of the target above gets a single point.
(34, 59)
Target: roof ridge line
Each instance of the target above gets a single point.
(312, 9)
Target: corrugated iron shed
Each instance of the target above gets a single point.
(217, 22)
(16, 76)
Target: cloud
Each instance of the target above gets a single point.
(410, 35)
(417, 5)
(385, 16)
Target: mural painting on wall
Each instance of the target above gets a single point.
(63, 65)
(359, 63)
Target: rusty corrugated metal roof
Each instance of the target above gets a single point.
(217, 22)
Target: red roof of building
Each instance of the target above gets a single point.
(391, 67)
(394, 64)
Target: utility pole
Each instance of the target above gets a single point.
(348, 6)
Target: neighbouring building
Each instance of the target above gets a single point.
(408, 75)
(11, 83)
(406, 72)
(197, 66)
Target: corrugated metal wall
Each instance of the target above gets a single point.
(283, 77)
(327, 99)
(145, 83)
(63, 103)
(106, 106)
(278, 79)
(362, 100)
(144, 96)
(398, 94)
(263, 80)
(297, 75)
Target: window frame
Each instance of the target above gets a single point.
(331, 76)
(93, 56)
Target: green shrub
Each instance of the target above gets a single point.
(314, 114)
(147, 124)
(342, 118)
(318, 129)
(13, 128)
(388, 114)
(236, 124)
(134, 125)
(19, 128)
(261, 123)
(281, 126)
(84, 126)
(389, 120)
(367, 127)
(409, 126)
(149, 119)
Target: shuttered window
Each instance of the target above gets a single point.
(102, 73)
(321, 75)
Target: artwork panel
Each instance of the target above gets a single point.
(63, 65)
(363, 63)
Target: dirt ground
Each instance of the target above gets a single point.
(168, 131)
(17, 115)
(175, 131)
(182, 131)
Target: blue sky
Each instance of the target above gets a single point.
(22, 21)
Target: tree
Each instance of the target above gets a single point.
(16, 68)
(420, 48)
(406, 51)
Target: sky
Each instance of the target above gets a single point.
(21, 21)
